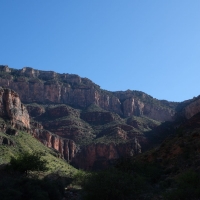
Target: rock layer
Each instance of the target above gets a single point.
(65, 147)
(98, 156)
(12, 108)
(192, 109)
(50, 87)
(83, 123)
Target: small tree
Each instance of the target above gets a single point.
(26, 162)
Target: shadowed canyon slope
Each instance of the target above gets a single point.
(180, 151)
(86, 125)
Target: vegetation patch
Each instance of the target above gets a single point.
(24, 142)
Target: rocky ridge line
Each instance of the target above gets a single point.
(50, 87)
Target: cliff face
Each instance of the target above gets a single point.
(50, 87)
(87, 125)
(191, 109)
(12, 108)
(65, 147)
(104, 132)
(138, 103)
(98, 156)
(61, 120)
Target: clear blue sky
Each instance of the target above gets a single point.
(147, 45)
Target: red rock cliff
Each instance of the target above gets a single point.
(12, 108)
(50, 87)
(66, 148)
(98, 156)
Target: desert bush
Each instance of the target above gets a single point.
(26, 162)
(80, 177)
(14, 186)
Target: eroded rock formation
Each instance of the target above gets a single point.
(192, 109)
(138, 103)
(50, 87)
(65, 147)
(98, 156)
(12, 108)
(83, 123)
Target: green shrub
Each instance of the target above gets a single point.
(26, 162)
(80, 177)
(13, 186)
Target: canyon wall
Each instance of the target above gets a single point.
(99, 156)
(64, 147)
(50, 87)
(64, 104)
(13, 111)
(191, 109)
(12, 108)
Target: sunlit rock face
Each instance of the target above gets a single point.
(12, 108)
(50, 87)
(66, 148)
(138, 103)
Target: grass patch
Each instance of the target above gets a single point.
(24, 142)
